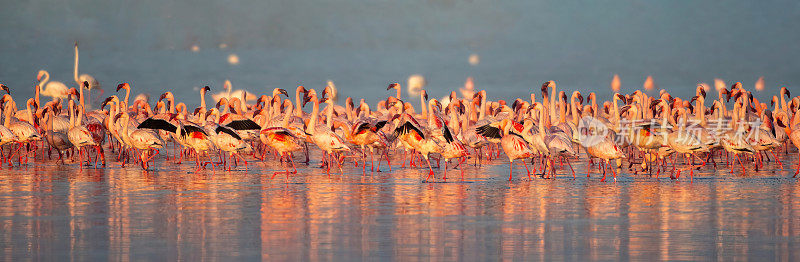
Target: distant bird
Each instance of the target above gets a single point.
(52, 89)
(80, 79)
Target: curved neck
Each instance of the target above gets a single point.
(49, 122)
(71, 117)
(171, 107)
(127, 95)
(312, 124)
(75, 68)
(298, 111)
(329, 114)
(45, 79)
(288, 114)
(203, 98)
(112, 112)
(30, 114)
(783, 101)
(541, 122)
(349, 111)
(552, 109)
(616, 109)
(79, 116)
(398, 93)
(574, 110)
(80, 91)
(7, 113)
(125, 123)
(482, 113)
(700, 111)
(423, 106)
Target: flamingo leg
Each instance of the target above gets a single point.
(613, 171)
(526, 169)
(430, 168)
(462, 169)
(778, 160)
(510, 170)
(600, 163)
(445, 170)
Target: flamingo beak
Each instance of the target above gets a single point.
(392, 85)
(4, 87)
(306, 99)
(120, 86)
(283, 92)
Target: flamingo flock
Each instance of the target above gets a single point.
(640, 132)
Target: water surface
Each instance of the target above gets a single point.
(65, 212)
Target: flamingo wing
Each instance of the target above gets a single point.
(159, 124)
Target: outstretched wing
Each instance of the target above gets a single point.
(408, 127)
(159, 124)
(245, 124)
(226, 130)
(488, 131)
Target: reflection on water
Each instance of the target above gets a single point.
(62, 213)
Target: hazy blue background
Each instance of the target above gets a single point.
(364, 45)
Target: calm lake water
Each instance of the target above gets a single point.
(50, 212)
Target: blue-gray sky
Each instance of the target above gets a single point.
(363, 45)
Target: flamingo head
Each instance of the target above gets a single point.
(40, 75)
(779, 122)
(106, 101)
(324, 97)
(655, 103)
(123, 86)
(206, 89)
(5, 88)
(74, 91)
(393, 86)
(624, 109)
(279, 91)
(308, 96)
(86, 84)
(621, 97)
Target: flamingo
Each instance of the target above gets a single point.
(78, 134)
(52, 89)
(56, 138)
(145, 140)
(84, 78)
(321, 135)
(226, 138)
(513, 144)
(25, 131)
(283, 140)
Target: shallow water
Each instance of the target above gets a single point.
(65, 212)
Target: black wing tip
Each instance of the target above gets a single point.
(158, 124)
(228, 131)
